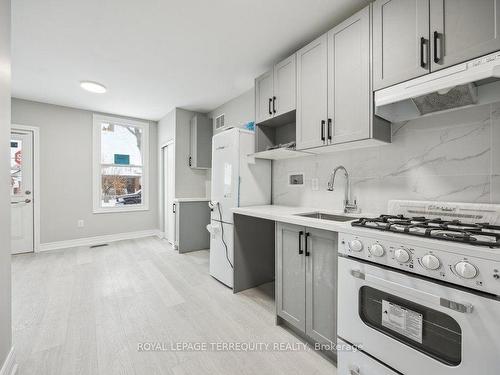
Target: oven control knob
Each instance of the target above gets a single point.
(355, 245)
(431, 262)
(377, 250)
(466, 270)
(402, 255)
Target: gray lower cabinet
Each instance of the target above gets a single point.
(291, 275)
(400, 41)
(462, 30)
(321, 286)
(191, 220)
(306, 262)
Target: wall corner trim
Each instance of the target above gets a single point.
(97, 240)
(10, 366)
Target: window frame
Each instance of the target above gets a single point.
(97, 165)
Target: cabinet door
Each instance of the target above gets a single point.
(321, 286)
(193, 149)
(312, 92)
(285, 87)
(400, 41)
(349, 89)
(264, 97)
(462, 30)
(201, 143)
(291, 278)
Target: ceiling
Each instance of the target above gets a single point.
(154, 55)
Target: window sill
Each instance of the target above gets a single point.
(114, 210)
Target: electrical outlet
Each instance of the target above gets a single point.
(80, 223)
(315, 184)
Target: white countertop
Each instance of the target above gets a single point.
(287, 214)
(191, 200)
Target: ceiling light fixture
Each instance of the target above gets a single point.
(94, 87)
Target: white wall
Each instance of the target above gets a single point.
(445, 157)
(238, 111)
(5, 288)
(66, 175)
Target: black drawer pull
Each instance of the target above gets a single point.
(423, 61)
(307, 252)
(437, 58)
(301, 233)
(329, 129)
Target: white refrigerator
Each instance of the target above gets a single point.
(237, 181)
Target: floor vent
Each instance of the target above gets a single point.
(100, 245)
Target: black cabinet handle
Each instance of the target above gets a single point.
(270, 101)
(307, 252)
(173, 208)
(437, 58)
(274, 104)
(323, 130)
(190, 161)
(329, 129)
(423, 61)
(301, 233)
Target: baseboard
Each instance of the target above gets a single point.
(10, 366)
(97, 240)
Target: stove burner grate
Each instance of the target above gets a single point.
(482, 234)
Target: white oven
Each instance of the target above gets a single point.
(414, 325)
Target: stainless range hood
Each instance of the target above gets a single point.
(475, 82)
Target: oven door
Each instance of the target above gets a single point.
(416, 326)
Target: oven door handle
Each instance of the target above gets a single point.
(428, 297)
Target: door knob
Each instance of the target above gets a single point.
(27, 200)
(27, 192)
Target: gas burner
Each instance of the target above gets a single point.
(482, 234)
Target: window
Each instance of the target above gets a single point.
(121, 155)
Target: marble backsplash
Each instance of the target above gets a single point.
(453, 156)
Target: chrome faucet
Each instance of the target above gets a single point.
(348, 205)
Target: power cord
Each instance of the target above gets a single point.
(222, 235)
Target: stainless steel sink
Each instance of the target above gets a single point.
(324, 216)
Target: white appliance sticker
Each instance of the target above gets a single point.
(228, 180)
(403, 321)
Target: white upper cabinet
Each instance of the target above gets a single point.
(312, 94)
(462, 30)
(285, 86)
(400, 41)
(276, 91)
(264, 97)
(349, 91)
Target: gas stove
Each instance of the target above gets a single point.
(481, 234)
(417, 237)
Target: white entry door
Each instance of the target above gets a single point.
(169, 192)
(21, 192)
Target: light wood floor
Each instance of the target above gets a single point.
(84, 311)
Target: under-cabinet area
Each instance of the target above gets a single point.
(302, 262)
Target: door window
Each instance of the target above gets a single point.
(440, 336)
(16, 173)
